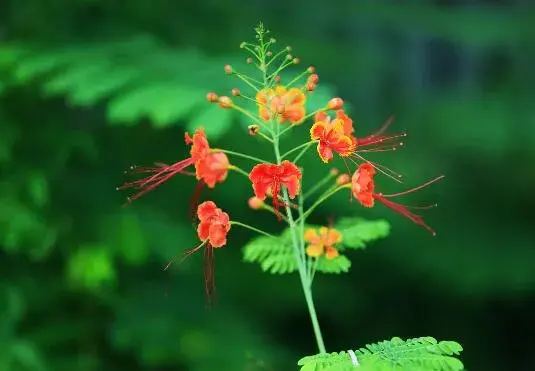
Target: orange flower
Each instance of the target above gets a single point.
(322, 242)
(270, 177)
(160, 173)
(363, 188)
(289, 105)
(335, 136)
(212, 169)
(212, 231)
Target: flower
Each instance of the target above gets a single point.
(322, 242)
(270, 177)
(363, 188)
(289, 105)
(212, 231)
(212, 169)
(335, 136)
(160, 173)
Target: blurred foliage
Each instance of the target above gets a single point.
(89, 87)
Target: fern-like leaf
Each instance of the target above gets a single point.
(419, 354)
(273, 254)
(340, 264)
(358, 232)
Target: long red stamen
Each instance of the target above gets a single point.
(160, 175)
(415, 188)
(209, 273)
(185, 255)
(380, 168)
(403, 210)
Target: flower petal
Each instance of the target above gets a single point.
(206, 210)
(314, 251)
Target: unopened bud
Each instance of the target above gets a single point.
(277, 79)
(311, 69)
(335, 104)
(314, 78)
(225, 102)
(272, 40)
(334, 171)
(310, 86)
(255, 203)
(249, 60)
(269, 53)
(212, 97)
(228, 69)
(236, 92)
(343, 179)
(288, 48)
(253, 129)
(296, 60)
(289, 56)
(242, 45)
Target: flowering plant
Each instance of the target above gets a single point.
(276, 187)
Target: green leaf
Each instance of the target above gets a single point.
(419, 354)
(357, 232)
(340, 264)
(272, 253)
(125, 237)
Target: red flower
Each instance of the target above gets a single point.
(270, 177)
(363, 187)
(337, 136)
(212, 231)
(210, 167)
(161, 173)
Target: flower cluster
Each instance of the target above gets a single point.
(274, 108)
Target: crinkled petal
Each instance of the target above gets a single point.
(218, 235)
(314, 251)
(311, 236)
(203, 230)
(331, 252)
(206, 210)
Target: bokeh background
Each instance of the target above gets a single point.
(90, 87)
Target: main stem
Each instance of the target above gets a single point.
(298, 249)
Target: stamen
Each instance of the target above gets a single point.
(402, 209)
(209, 273)
(415, 188)
(195, 198)
(185, 255)
(381, 168)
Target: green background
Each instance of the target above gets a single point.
(90, 87)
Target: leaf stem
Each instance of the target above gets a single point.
(283, 156)
(247, 226)
(239, 154)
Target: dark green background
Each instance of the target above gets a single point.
(81, 278)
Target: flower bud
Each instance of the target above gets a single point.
(288, 48)
(269, 53)
(277, 79)
(289, 56)
(296, 60)
(335, 104)
(314, 78)
(343, 179)
(225, 102)
(228, 69)
(310, 86)
(272, 40)
(311, 69)
(212, 97)
(253, 129)
(334, 171)
(242, 45)
(249, 60)
(255, 203)
(236, 92)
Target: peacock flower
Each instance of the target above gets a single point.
(322, 241)
(288, 105)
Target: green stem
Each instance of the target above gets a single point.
(318, 185)
(238, 154)
(296, 149)
(301, 262)
(233, 222)
(238, 170)
(323, 198)
(255, 119)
